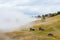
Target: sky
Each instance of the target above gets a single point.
(32, 7)
(14, 13)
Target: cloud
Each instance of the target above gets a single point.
(39, 6)
(30, 2)
(39, 2)
(36, 10)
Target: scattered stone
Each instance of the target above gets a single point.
(50, 34)
(42, 29)
(32, 29)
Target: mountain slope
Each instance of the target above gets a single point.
(52, 25)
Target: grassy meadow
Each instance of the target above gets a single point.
(52, 25)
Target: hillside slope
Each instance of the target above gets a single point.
(52, 25)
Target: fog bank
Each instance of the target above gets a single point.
(11, 19)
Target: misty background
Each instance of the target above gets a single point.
(14, 13)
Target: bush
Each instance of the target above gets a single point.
(46, 15)
(58, 12)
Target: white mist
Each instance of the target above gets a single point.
(11, 20)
